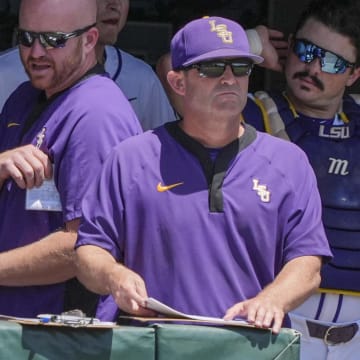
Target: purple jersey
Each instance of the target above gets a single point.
(204, 235)
(82, 125)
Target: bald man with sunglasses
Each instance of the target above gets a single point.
(192, 212)
(135, 77)
(55, 132)
(315, 113)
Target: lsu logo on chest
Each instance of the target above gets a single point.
(261, 190)
(336, 166)
(336, 132)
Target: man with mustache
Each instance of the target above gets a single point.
(135, 78)
(315, 113)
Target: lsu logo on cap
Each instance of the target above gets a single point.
(222, 32)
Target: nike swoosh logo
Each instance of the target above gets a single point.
(13, 124)
(163, 188)
(132, 99)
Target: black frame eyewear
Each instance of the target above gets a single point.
(330, 62)
(49, 40)
(216, 68)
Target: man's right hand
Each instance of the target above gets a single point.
(129, 291)
(274, 48)
(27, 165)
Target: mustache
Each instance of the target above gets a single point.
(303, 74)
(222, 87)
(41, 59)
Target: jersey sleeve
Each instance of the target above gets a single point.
(103, 211)
(90, 130)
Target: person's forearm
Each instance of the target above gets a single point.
(95, 267)
(47, 261)
(298, 279)
(99, 271)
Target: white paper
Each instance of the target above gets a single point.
(161, 308)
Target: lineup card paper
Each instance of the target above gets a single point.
(161, 308)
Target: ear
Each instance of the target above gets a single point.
(353, 76)
(176, 81)
(91, 38)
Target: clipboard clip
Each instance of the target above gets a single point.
(73, 318)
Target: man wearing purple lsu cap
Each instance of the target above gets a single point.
(204, 214)
(195, 43)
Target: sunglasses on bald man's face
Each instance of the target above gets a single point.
(330, 62)
(49, 40)
(216, 68)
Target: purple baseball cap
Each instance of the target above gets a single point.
(209, 38)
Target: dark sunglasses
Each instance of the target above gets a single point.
(330, 62)
(214, 69)
(49, 40)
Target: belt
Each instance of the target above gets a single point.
(332, 335)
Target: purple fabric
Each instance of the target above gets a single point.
(192, 259)
(82, 125)
(210, 38)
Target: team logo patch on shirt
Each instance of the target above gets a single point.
(261, 190)
(163, 188)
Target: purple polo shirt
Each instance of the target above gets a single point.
(82, 125)
(198, 257)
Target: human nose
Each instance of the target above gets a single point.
(37, 50)
(314, 67)
(228, 76)
(114, 4)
